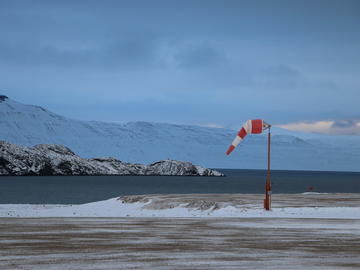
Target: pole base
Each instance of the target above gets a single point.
(267, 202)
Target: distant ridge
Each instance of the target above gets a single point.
(148, 142)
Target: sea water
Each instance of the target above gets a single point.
(83, 189)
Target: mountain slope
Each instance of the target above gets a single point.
(145, 142)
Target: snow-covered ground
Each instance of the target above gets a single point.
(185, 206)
(188, 231)
(145, 142)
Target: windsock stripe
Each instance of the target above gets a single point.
(248, 126)
(257, 126)
(231, 148)
(236, 141)
(242, 133)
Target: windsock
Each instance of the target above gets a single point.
(250, 127)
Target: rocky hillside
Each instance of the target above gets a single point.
(52, 159)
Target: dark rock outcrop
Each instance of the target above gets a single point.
(3, 98)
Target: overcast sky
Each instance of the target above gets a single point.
(218, 63)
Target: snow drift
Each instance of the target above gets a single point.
(195, 205)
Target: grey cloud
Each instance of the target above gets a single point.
(275, 58)
(125, 53)
(345, 124)
(282, 71)
(275, 79)
(199, 56)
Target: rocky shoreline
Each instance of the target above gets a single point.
(52, 159)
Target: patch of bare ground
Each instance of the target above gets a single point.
(165, 243)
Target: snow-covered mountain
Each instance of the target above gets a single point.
(147, 142)
(52, 159)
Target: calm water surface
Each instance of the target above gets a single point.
(82, 189)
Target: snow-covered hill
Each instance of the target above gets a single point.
(146, 142)
(52, 159)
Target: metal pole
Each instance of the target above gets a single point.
(267, 201)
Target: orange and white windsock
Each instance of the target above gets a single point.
(250, 127)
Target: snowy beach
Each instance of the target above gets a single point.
(305, 205)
